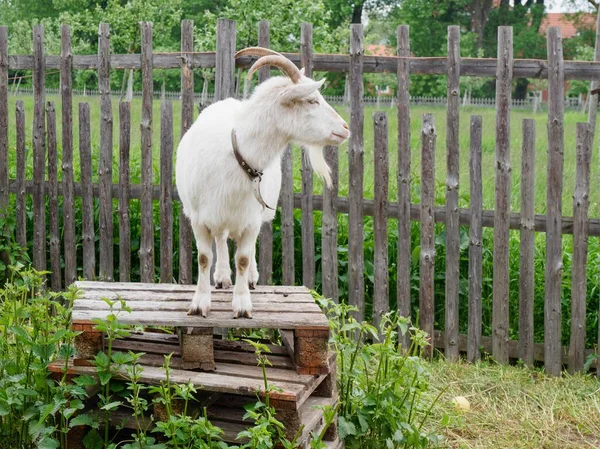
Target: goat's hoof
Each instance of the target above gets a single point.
(251, 286)
(248, 314)
(223, 285)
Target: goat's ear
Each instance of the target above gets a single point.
(301, 90)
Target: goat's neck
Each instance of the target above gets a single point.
(259, 142)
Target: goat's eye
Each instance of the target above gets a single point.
(313, 101)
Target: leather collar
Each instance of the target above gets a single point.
(254, 175)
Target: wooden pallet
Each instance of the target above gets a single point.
(274, 307)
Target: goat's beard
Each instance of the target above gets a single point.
(318, 163)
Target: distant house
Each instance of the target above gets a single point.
(568, 23)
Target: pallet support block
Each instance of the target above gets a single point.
(197, 350)
(88, 343)
(311, 351)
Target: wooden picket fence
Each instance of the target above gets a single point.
(62, 243)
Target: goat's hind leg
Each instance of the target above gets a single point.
(242, 303)
(223, 268)
(201, 300)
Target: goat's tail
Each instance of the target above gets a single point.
(318, 163)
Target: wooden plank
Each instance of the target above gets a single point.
(187, 118)
(147, 225)
(329, 231)
(55, 277)
(21, 231)
(581, 205)
(105, 162)
(504, 76)
(66, 92)
(166, 200)
(287, 216)
(403, 179)
(527, 247)
(381, 295)
(308, 225)
(283, 290)
(452, 180)
(124, 192)
(243, 346)
(265, 248)
(87, 210)
(225, 59)
(3, 118)
(39, 151)
(427, 265)
(554, 265)
(356, 281)
(593, 99)
(475, 241)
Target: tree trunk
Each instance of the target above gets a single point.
(480, 10)
(357, 12)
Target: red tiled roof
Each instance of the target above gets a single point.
(379, 50)
(567, 23)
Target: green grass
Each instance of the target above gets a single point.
(514, 408)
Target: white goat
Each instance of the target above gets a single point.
(217, 192)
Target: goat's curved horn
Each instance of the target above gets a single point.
(256, 51)
(281, 62)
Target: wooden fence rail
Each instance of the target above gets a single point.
(61, 182)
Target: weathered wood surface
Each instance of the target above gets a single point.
(427, 256)
(54, 236)
(286, 199)
(187, 118)
(475, 241)
(39, 151)
(166, 199)
(308, 225)
(593, 99)
(106, 155)
(404, 211)
(329, 231)
(21, 231)
(527, 247)
(554, 265)
(504, 77)
(186, 288)
(124, 192)
(381, 173)
(452, 178)
(87, 202)
(147, 225)
(66, 91)
(581, 205)
(3, 118)
(356, 281)
(225, 59)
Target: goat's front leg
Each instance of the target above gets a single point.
(242, 303)
(222, 269)
(201, 300)
(253, 275)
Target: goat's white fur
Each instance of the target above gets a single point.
(216, 194)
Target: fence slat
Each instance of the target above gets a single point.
(526, 268)
(105, 162)
(66, 91)
(426, 289)
(3, 118)
(404, 238)
(187, 118)
(356, 281)
(166, 188)
(329, 232)
(225, 62)
(147, 238)
(452, 179)
(20, 181)
(554, 266)
(381, 171)
(308, 225)
(87, 200)
(265, 249)
(55, 277)
(124, 192)
(581, 204)
(501, 219)
(39, 151)
(593, 99)
(475, 241)
(287, 216)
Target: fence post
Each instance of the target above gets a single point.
(87, 199)
(308, 225)
(3, 118)
(329, 233)
(166, 189)
(581, 204)
(593, 99)
(356, 290)
(21, 192)
(124, 192)
(426, 290)
(106, 154)
(147, 226)
(55, 276)
(504, 76)
(554, 266)
(452, 212)
(526, 269)
(225, 62)
(475, 241)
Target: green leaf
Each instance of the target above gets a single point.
(82, 420)
(93, 440)
(48, 443)
(85, 380)
(111, 405)
(345, 428)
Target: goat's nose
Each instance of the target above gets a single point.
(345, 125)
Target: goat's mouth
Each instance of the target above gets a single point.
(339, 138)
